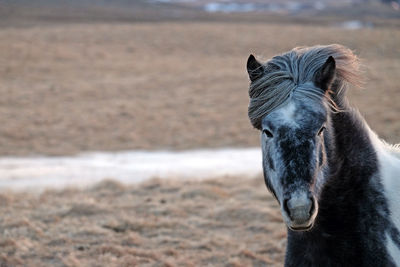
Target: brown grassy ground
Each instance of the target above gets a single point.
(222, 222)
(68, 88)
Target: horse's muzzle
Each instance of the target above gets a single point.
(299, 211)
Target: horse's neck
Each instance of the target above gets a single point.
(360, 158)
(352, 163)
(364, 183)
(352, 155)
(353, 205)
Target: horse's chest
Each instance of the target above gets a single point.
(337, 251)
(389, 171)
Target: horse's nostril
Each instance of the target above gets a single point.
(314, 205)
(312, 209)
(285, 206)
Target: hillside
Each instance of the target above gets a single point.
(328, 12)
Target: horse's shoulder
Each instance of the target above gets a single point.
(389, 174)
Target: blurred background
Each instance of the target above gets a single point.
(78, 76)
(125, 74)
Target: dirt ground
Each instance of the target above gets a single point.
(67, 88)
(219, 222)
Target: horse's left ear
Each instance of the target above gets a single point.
(254, 68)
(326, 74)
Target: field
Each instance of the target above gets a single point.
(70, 88)
(67, 88)
(224, 222)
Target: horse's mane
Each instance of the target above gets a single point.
(291, 74)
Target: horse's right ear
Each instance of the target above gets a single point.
(254, 68)
(325, 76)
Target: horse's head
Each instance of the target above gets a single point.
(292, 116)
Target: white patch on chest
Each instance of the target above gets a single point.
(389, 167)
(389, 171)
(393, 250)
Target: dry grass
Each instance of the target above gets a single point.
(223, 222)
(68, 88)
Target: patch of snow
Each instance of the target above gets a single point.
(294, 6)
(355, 25)
(19, 173)
(171, 1)
(319, 5)
(286, 7)
(229, 7)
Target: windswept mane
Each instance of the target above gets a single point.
(292, 73)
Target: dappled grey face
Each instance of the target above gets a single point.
(288, 103)
(293, 158)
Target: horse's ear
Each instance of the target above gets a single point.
(254, 68)
(325, 75)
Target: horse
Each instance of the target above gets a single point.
(337, 184)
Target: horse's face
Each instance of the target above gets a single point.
(292, 136)
(294, 156)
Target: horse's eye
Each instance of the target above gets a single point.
(268, 133)
(321, 130)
